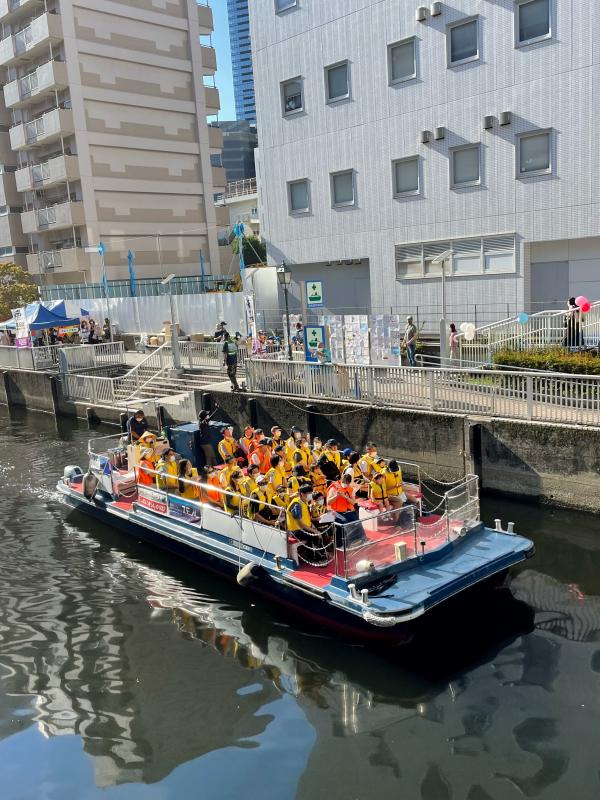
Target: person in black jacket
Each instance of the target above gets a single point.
(329, 469)
(137, 425)
(206, 448)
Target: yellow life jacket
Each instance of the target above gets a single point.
(293, 486)
(256, 507)
(317, 510)
(170, 470)
(227, 448)
(292, 523)
(319, 481)
(377, 492)
(247, 486)
(276, 499)
(303, 454)
(231, 502)
(369, 462)
(191, 492)
(225, 475)
(276, 477)
(393, 482)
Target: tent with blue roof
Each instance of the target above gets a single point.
(40, 318)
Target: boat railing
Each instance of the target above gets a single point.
(462, 506)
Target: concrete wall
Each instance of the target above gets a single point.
(28, 389)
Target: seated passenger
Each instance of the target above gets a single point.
(230, 465)
(246, 441)
(317, 448)
(328, 468)
(146, 466)
(255, 444)
(368, 460)
(232, 498)
(167, 479)
(345, 456)
(147, 441)
(277, 435)
(258, 510)
(318, 507)
(297, 479)
(332, 453)
(261, 456)
(276, 476)
(318, 479)
(313, 547)
(212, 479)
(191, 491)
(248, 484)
(359, 482)
(307, 450)
(378, 492)
(393, 483)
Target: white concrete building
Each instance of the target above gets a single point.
(392, 130)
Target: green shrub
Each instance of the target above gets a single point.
(552, 359)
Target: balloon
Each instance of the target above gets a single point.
(470, 334)
(522, 318)
(581, 300)
(585, 307)
(463, 326)
(470, 327)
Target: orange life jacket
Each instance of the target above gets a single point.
(146, 478)
(343, 501)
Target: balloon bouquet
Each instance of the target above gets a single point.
(583, 303)
(469, 331)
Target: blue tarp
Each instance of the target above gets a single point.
(39, 318)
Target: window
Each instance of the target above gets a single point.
(291, 92)
(337, 80)
(533, 154)
(532, 21)
(298, 197)
(464, 166)
(284, 5)
(343, 189)
(476, 256)
(402, 62)
(406, 176)
(463, 42)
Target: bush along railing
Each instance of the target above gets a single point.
(554, 397)
(549, 359)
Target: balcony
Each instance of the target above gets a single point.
(31, 42)
(68, 259)
(13, 10)
(49, 173)
(50, 126)
(213, 102)
(205, 20)
(46, 79)
(219, 179)
(215, 140)
(62, 215)
(222, 216)
(11, 232)
(209, 60)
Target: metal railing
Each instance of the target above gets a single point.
(16, 357)
(91, 356)
(542, 396)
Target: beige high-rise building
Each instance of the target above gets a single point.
(106, 113)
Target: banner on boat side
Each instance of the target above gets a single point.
(152, 500)
(179, 508)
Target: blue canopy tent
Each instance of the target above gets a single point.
(40, 318)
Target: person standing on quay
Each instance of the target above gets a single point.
(230, 360)
(453, 342)
(409, 343)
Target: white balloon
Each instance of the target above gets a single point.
(470, 327)
(470, 334)
(463, 326)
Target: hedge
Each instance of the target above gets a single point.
(552, 359)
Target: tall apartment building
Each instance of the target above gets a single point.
(392, 131)
(108, 131)
(241, 59)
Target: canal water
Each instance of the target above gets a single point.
(125, 673)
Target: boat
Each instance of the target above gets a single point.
(376, 579)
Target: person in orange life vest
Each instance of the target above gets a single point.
(340, 500)
(378, 492)
(228, 446)
(146, 468)
(211, 478)
(353, 469)
(246, 440)
(340, 497)
(261, 456)
(255, 444)
(393, 482)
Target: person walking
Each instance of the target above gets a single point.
(453, 342)
(106, 333)
(573, 337)
(409, 342)
(221, 333)
(230, 360)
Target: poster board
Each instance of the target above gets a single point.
(22, 335)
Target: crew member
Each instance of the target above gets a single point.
(230, 360)
(137, 425)
(204, 440)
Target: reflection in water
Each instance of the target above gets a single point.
(167, 676)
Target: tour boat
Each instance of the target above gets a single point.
(376, 578)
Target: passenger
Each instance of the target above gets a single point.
(307, 450)
(246, 441)
(261, 456)
(358, 479)
(333, 454)
(345, 456)
(291, 445)
(167, 479)
(281, 500)
(147, 441)
(379, 466)
(228, 446)
(256, 439)
(232, 498)
(212, 478)
(298, 513)
(204, 440)
(393, 483)
(318, 479)
(275, 477)
(297, 480)
(340, 500)
(277, 435)
(191, 491)
(230, 465)
(258, 509)
(299, 459)
(137, 425)
(318, 507)
(328, 468)
(146, 465)
(378, 492)
(317, 448)
(249, 484)
(368, 460)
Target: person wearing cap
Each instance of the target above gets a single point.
(204, 440)
(409, 342)
(345, 456)
(221, 332)
(137, 425)
(332, 452)
(393, 483)
(230, 360)
(146, 466)
(228, 446)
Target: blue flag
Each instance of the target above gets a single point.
(104, 283)
(130, 257)
(240, 233)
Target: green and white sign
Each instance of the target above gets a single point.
(314, 294)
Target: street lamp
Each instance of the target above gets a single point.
(441, 259)
(174, 327)
(284, 276)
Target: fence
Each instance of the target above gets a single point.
(145, 287)
(68, 357)
(548, 397)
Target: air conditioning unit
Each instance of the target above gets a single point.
(435, 9)
(424, 137)
(488, 122)
(505, 118)
(439, 133)
(421, 14)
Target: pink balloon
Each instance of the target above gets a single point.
(585, 307)
(581, 300)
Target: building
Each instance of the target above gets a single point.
(391, 132)
(241, 59)
(239, 143)
(109, 135)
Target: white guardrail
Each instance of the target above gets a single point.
(548, 397)
(66, 357)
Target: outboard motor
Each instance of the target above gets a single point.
(90, 484)
(71, 472)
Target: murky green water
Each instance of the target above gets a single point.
(129, 674)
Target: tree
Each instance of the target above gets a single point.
(255, 251)
(16, 289)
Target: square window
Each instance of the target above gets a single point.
(291, 93)
(342, 189)
(284, 5)
(402, 61)
(406, 176)
(464, 166)
(298, 197)
(337, 80)
(532, 22)
(533, 154)
(463, 42)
